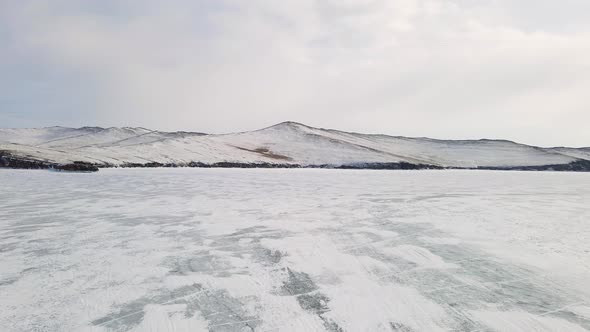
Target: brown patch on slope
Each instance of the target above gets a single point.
(265, 152)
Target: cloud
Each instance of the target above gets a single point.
(448, 69)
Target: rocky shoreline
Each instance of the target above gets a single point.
(8, 160)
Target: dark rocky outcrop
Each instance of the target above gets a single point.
(580, 165)
(147, 165)
(224, 164)
(253, 165)
(76, 166)
(8, 160)
(401, 165)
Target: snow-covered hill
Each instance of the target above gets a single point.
(284, 143)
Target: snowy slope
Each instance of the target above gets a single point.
(581, 153)
(285, 143)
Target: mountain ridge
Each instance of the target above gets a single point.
(304, 125)
(287, 143)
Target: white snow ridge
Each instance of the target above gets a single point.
(287, 143)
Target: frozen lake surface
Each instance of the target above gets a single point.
(294, 250)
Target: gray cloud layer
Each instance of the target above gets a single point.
(441, 68)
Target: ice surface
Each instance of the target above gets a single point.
(294, 250)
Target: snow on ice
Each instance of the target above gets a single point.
(294, 250)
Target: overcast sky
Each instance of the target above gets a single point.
(517, 70)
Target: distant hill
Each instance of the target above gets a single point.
(287, 144)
